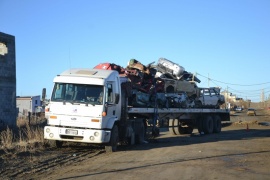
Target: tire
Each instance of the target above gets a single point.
(217, 124)
(188, 130)
(140, 136)
(171, 127)
(174, 127)
(181, 130)
(208, 125)
(177, 126)
(112, 145)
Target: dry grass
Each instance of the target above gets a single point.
(26, 137)
(7, 138)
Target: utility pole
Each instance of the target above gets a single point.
(227, 94)
(262, 98)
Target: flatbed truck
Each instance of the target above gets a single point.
(92, 106)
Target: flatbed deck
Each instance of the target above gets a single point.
(176, 110)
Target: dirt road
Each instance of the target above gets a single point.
(238, 152)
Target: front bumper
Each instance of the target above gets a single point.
(77, 135)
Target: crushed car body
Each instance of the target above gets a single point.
(167, 83)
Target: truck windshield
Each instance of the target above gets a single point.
(77, 93)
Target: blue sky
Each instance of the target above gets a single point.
(227, 41)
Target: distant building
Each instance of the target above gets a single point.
(229, 97)
(8, 111)
(31, 104)
(239, 99)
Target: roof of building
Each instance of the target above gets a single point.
(26, 97)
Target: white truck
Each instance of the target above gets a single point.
(92, 106)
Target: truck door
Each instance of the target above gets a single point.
(214, 97)
(111, 106)
(206, 97)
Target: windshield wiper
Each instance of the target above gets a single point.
(71, 102)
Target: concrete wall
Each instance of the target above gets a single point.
(8, 111)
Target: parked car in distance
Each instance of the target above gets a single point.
(238, 109)
(251, 112)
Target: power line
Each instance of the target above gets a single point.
(232, 83)
(249, 92)
(253, 89)
(253, 94)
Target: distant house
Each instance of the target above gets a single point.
(31, 104)
(230, 97)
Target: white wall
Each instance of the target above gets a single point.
(28, 104)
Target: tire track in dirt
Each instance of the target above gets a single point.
(65, 156)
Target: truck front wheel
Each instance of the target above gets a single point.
(112, 145)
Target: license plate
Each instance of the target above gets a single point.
(71, 132)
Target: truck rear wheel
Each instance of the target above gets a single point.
(181, 130)
(208, 125)
(185, 128)
(174, 126)
(112, 145)
(217, 124)
(140, 133)
(188, 129)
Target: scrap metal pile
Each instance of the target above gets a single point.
(165, 84)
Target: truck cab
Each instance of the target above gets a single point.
(84, 106)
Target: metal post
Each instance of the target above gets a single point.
(29, 117)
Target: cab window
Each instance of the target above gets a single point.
(212, 92)
(109, 93)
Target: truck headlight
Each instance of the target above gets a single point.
(47, 130)
(92, 138)
(51, 135)
(96, 134)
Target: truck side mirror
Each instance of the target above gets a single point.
(43, 94)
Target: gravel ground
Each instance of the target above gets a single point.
(240, 151)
